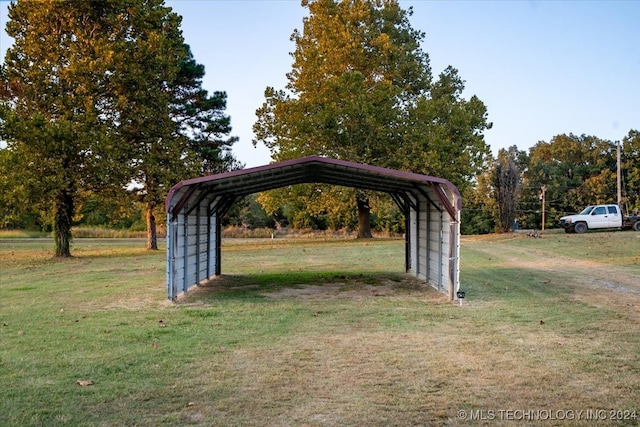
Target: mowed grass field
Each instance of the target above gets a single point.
(323, 333)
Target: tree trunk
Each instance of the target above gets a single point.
(364, 217)
(152, 236)
(62, 224)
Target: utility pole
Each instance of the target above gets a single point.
(542, 197)
(619, 179)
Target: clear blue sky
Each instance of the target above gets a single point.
(542, 67)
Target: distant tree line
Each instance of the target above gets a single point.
(575, 171)
(102, 110)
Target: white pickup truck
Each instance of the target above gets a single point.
(598, 217)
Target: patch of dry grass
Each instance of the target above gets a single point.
(405, 364)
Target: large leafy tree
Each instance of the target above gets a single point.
(148, 51)
(97, 95)
(360, 90)
(53, 89)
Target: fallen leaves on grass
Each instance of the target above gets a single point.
(84, 383)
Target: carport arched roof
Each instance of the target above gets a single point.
(312, 169)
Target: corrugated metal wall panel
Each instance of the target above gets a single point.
(178, 250)
(444, 255)
(202, 242)
(191, 236)
(191, 274)
(413, 237)
(434, 242)
(170, 260)
(423, 244)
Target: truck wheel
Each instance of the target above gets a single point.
(580, 227)
(636, 225)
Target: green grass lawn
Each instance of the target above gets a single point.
(321, 332)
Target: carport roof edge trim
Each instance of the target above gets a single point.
(399, 176)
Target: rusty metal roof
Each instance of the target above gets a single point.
(312, 169)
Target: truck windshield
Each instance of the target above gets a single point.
(587, 210)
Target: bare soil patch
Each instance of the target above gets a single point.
(355, 289)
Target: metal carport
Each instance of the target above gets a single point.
(431, 207)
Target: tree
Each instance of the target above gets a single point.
(53, 86)
(15, 209)
(97, 95)
(359, 89)
(479, 208)
(444, 133)
(492, 201)
(630, 159)
(177, 127)
(201, 119)
(575, 170)
(506, 187)
(313, 206)
(148, 53)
